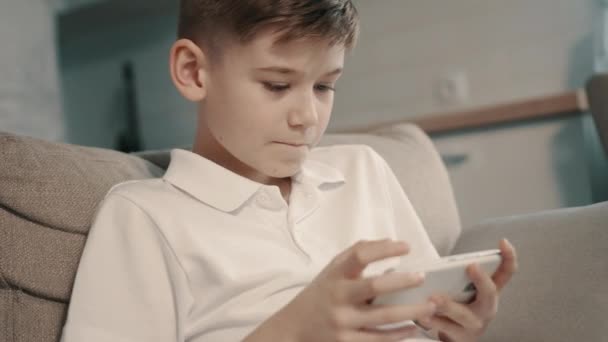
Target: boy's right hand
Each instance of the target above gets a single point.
(335, 306)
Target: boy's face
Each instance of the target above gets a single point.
(267, 105)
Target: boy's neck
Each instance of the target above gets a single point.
(212, 150)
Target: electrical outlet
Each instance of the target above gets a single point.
(452, 88)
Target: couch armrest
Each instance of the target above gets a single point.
(561, 290)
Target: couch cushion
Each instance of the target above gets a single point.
(28, 318)
(48, 196)
(38, 259)
(59, 185)
(560, 292)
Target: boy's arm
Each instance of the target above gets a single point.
(129, 285)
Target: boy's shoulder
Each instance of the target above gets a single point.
(140, 190)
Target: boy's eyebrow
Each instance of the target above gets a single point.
(289, 71)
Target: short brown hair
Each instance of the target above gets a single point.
(209, 22)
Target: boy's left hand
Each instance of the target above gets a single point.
(457, 322)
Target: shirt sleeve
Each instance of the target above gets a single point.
(129, 285)
(408, 225)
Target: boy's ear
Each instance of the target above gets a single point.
(188, 67)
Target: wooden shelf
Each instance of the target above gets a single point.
(569, 103)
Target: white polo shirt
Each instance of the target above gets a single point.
(204, 254)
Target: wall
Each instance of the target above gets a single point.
(29, 89)
(95, 43)
(508, 50)
(518, 168)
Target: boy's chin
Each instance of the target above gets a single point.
(284, 170)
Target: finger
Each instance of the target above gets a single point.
(486, 297)
(420, 324)
(376, 315)
(397, 334)
(362, 290)
(446, 327)
(458, 313)
(353, 261)
(379, 335)
(508, 266)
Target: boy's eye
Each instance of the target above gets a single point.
(280, 87)
(324, 88)
(275, 87)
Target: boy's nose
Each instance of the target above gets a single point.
(304, 115)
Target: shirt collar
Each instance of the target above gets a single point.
(317, 173)
(226, 190)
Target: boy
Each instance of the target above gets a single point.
(254, 235)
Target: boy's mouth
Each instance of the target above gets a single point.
(291, 144)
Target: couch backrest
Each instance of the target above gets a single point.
(48, 196)
(559, 292)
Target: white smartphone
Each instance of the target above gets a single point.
(445, 276)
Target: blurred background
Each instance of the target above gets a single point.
(95, 73)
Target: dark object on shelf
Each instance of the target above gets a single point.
(129, 140)
(597, 95)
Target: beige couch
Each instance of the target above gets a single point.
(49, 191)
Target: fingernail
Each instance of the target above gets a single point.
(418, 276)
(390, 270)
(437, 300)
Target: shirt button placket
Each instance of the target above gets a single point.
(303, 202)
(296, 238)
